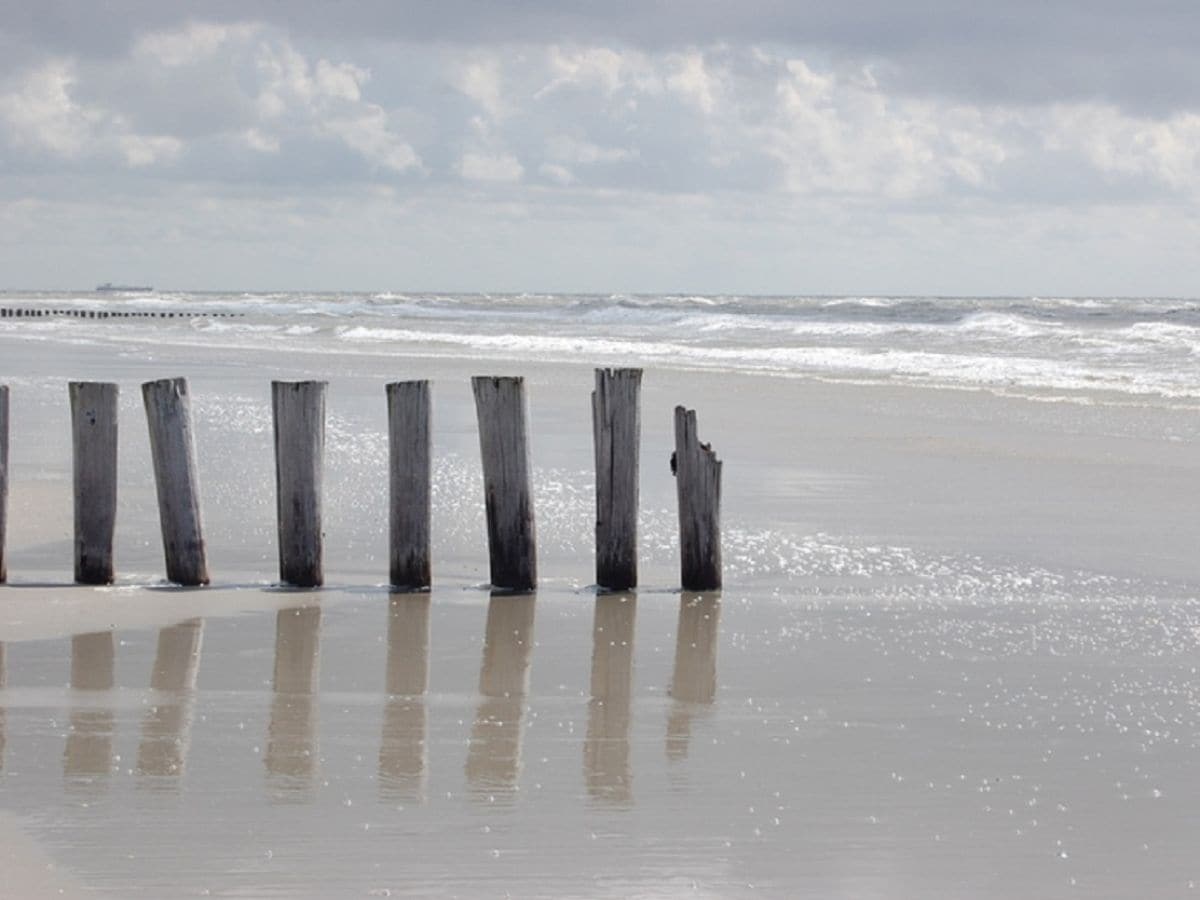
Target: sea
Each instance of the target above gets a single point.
(1136, 349)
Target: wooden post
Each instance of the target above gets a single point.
(173, 448)
(409, 470)
(94, 431)
(617, 432)
(512, 551)
(299, 412)
(698, 486)
(3, 479)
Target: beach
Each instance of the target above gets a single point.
(954, 654)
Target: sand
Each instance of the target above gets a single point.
(954, 655)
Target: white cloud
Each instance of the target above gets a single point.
(504, 168)
(602, 69)
(481, 81)
(566, 149)
(1166, 151)
(192, 43)
(325, 99)
(147, 150)
(42, 114)
(692, 80)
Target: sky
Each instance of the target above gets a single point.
(1031, 147)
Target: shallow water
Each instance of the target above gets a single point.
(564, 744)
(955, 654)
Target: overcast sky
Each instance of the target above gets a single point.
(866, 146)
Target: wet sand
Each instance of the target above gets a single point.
(954, 655)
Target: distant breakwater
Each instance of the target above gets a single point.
(22, 312)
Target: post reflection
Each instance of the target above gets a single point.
(402, 747)
(494, 755)
(89, 752)
(291, 757)
(167, 724)
(694, 680)
(606, 748)
(3, 708)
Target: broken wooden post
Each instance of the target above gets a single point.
(94, 433)
(173, 448)
(409, 480)
(616, 432)
(299, 413)
(698, 486)
(500, 409)
(3, 478)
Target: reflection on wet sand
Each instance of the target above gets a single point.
(494, 756)
(606, 749)
(90, 739)
(694, 680)
(402, 747)
(3, 709)
(291, 757)
(167, 725)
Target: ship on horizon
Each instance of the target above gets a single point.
(108, 286)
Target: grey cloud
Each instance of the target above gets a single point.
(1138, 55)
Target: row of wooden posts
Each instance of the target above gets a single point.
(299, 432)
(38, 312)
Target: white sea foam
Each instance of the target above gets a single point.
(1138, 347)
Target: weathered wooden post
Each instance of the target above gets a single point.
(512, 551)
(698, 486)
(3, 479)
(299, 413)
(409, 481)
(617, 432)
(94, 433)
(173, 448)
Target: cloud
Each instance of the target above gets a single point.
(867, 111)
(41, 114)
(502, 168)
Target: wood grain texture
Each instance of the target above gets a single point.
(409, 468)
(698, 486)
(299, 416)
(503, 445)
(173, 450)
(94, 439)
(616, 434)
